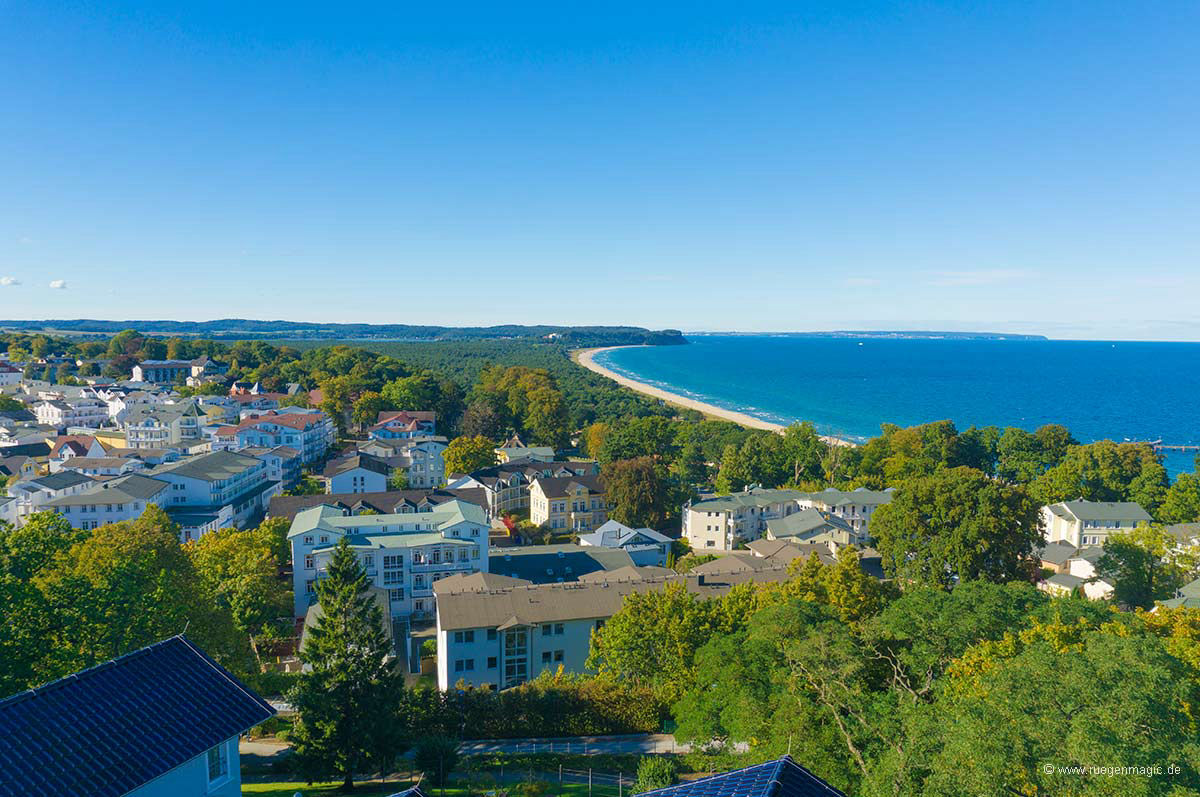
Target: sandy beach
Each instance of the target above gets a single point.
(587, 358)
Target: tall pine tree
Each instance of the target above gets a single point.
(348, 701)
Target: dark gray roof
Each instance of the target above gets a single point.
(781, 778)
(62, 480)
(546, 564)
(364, 461)
(110, 729)
(559, 486)
(1056, 553)
(1107, 510)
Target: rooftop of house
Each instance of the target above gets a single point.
(300, 421)
(124, 489)
(831, 496)
(110, 729)
(211, 467)
(1056, 553)
(1066, 581)
(807, 523)
(613, 534)
(367, 462)
(62, 480)
(393, 502)
(565, 486)
(476, 582)
(543, 564)
(1101, 511)
(629, 573)
(372, 528)
(576, 600)
(756, 497)
(780, 778)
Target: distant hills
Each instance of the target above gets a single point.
(243, 328)
(898, 334)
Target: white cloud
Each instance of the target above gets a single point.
(966, 277)
(58, 285)
(9, 281)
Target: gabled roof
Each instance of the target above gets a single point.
(563, 486)
(110, 729)
(364, 461)
(475, 582)
(62, 480)
(782, 778)
(385, 503)
(1105, 510)
(807, 523)
(544, 564)
(1056, 553)
(211, 467)
(613, 534)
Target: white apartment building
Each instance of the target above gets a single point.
(86, 411)
(402, 553)
(165, 426)
(34, 495)
(720, 523)
(113, 501)
(1083, 523)
(853, 506)
(420, 458)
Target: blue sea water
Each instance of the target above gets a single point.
(848, 387)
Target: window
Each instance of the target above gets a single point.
(309, 562)
(396, 595)
(545, 657)
(547, 630)
(461, 637)
(558, 629)
(491, 635)
(558, 655)
(491, 664)
(310, 587)
(218, 763)
(324, 538)
(393, 561)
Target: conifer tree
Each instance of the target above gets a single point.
(349, 701)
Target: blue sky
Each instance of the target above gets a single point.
(709, 166)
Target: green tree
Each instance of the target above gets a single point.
(126, 585)
(480, 419)
(655, 772)
(804, 450)
(469, 454)
(640, 491)
(1182, 502)
(241, 571)
(1146, 565)
(348, 703)
(26, 631)
(398, 480)
(436, 757)
(546, 418)
(367, 408)
(957, 525)
(1105, 471)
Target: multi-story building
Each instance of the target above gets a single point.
(401, 553)
(507, 486)
(578, 503)
(501, 635)
(33, 495)
(392, 502)
(168, 372)
(86, 410)
(283, 463)
(9, 375)
(403, 424)
(419, 458)
(311, 432)
(1083, 523)
(721, 523)
(853, 506)
(99, 467)
(124, 498)
(361, 473)
(165, 426)
(216, 490)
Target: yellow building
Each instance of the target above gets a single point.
(577, 503)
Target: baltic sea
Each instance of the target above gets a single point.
(849, 386)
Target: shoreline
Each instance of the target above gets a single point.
(587, 358)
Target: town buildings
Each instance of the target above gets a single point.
(507, 486)
(646, 547)
(1085, 523)
(402, 553)
(723, 522)
(310, 432)
(503, 634)
(419, 458)
(168, 372)
(578, 503)
(361, 473)
(403, 425)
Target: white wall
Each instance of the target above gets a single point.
(191, 779)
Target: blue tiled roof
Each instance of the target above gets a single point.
(782, 778)
(109, 729)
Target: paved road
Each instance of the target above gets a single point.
(587, 745)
